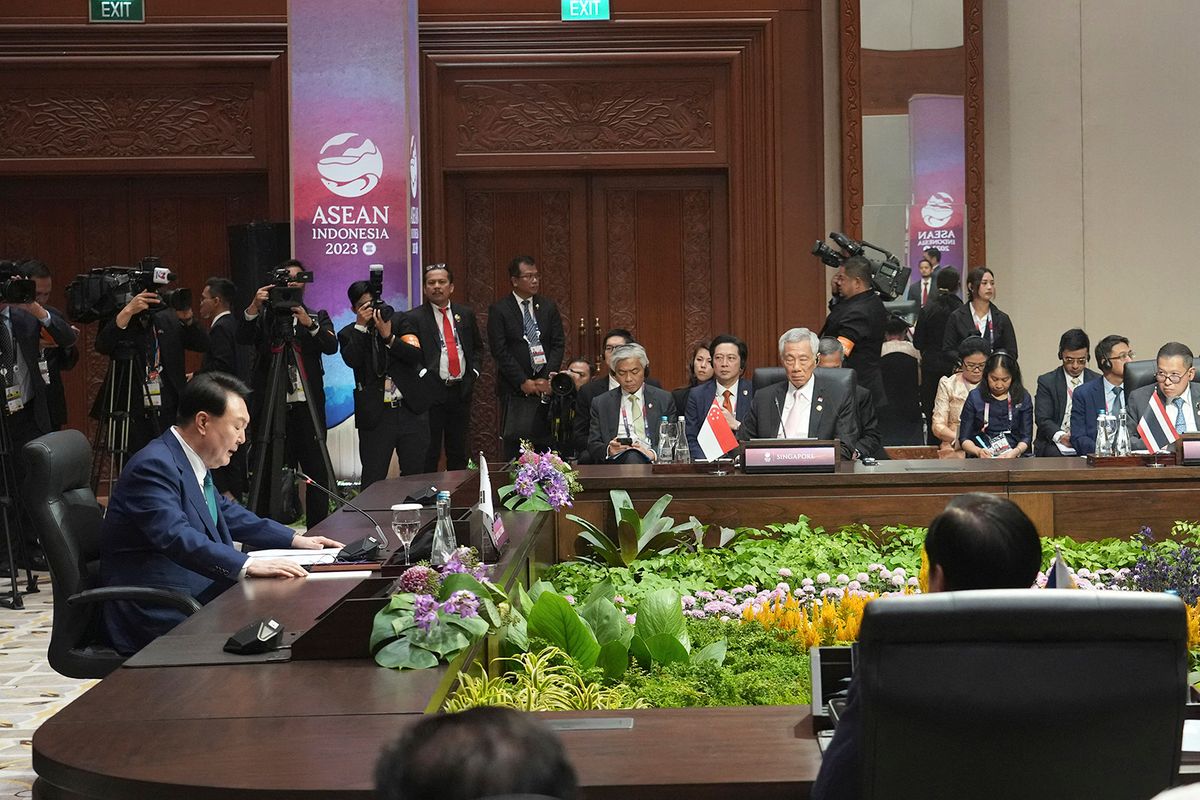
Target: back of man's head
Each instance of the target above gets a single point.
(949, 280)
(476, 753)
(983, 541)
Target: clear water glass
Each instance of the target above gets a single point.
(406, 522)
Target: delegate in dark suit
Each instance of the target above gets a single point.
(385, 423)
(515, 362)
(158, 532)
(860, 320)
(1050, 406)
(700, 399)
(450, 409)
(605, 419)
(1139, 399)
(832, 413)
(583, 412)
(1087, 403)
(152, 343)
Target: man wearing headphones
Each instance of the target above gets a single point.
(1105, 394)
(1055, 393)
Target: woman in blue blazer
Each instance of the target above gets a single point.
(997, 418)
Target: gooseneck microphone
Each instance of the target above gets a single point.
(382, 537)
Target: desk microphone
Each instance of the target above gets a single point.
(361, 549)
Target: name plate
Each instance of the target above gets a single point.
(790, 455)
(1189, 449)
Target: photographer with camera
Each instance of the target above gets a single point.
(145, 341)
(858, 322)
(55, 360)
(26, 407)
(391, 395)
(277, 321)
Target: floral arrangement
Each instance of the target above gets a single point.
(541, 482)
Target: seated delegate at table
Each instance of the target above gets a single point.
(630, 412)
(166, 526)
(952, 394)
(980, 541)
(1105, 394)
(997, 417)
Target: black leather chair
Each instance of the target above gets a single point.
(765, 376)
(1139, 374)
(1022, 693)
(64, 510)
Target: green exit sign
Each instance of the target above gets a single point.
(574, 10)
(116, 10)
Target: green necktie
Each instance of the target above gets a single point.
(210, 496)
(639, 422)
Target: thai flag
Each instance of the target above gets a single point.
(1058, 576)
(1155, 427)
(715, 438)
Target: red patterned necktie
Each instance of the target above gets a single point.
(451, 343)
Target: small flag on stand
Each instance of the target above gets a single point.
(715, 437)
(1058, 576)
(1155, 427)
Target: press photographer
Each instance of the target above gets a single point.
(392, 387)
(288, 382)
(144, 339)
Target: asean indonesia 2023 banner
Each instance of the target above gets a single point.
(939, 179)
(355, 138)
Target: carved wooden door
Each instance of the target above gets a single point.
(629, 250)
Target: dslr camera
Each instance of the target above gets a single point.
(281, 296)
(375, 281)
(103, 291)
(15, 287)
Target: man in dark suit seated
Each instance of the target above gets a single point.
(604, 381)
(624, 421)
(1106, 395)
(980, 541)
(727, 389)
(167, 527)
(1055, 395)
(1173, 385)
(870, 442)
(806, 406)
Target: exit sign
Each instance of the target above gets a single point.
(116, 10)
(573, 10)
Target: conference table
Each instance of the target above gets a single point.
(184, 720)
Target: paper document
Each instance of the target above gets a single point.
(301, 557)
(1191, 736)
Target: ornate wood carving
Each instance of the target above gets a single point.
(697, 265)
(851, 83)
(126, 121)
(555, 251)
(621, 218)
(481, 292)
(973, 39)
(584, 116)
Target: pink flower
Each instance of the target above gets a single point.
(784, 572)
(823, 577)
(862, 577)
(914, 582)
(843, 578)
(897, 580)
(854, 586)
(631, 619)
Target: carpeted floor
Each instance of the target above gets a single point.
(30, 692)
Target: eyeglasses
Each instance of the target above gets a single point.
(1075, 361)
(1122, 356)
(1169, 377)
(969, 367)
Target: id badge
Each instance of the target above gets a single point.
(391, 395)
(999, 444)
(296, 395)
(538, 353)
(153, 398)
(44, 368)
(12, 399)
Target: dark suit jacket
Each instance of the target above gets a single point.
(428, 326)
(605, 413)
(372, 360)
(698, 401)
(869, 441)
(583, 413)
(224, 353)
(914, 289)
(960, 325)
(506, 340)
(836, 419)
(930, 336)
(1135, 409)
(173, 338)
(1050, 403)
(158, 532)
(27, 333)
(1088, 403)
(312, 346)
(861, 319)
(59, 359)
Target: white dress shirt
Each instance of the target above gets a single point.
(626, 414)
(797, 408)
(444, 361)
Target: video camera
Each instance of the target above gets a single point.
(375, 282)
(15, 287)
(103, 291)
(281, 296)
(888, 277)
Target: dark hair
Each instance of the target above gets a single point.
(948, 280)
(34, 269)
(357, 290)
(896, 326)
(729, 338)
(514, 266)
(933, 253)
(222, 288)
(1104, 350)
(858, 267)
(623, 333)
(293, 262)
(972, 345)
(1002, 359)
(580, 360)
(691, 361)
(1074, 339)
(974, 278)
(208, 392)
(1173, 349)
(431, 267)
(475, 753)
(984, 541)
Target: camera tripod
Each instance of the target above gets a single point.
(269, 443)
(14, 544)
(118, 414)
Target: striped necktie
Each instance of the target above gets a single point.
(531, 329)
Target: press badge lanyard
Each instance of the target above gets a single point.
(987, 413)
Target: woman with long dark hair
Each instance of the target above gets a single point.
(699, 369)
(979, 316)
(997, 417)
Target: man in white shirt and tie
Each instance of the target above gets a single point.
(808, 405)
(924, 287)
(1173, 381)
(623, 422)
(1055, 395)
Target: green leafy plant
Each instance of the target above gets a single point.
(637, 536)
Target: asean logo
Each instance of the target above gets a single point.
(350, 170)
(938, 210)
